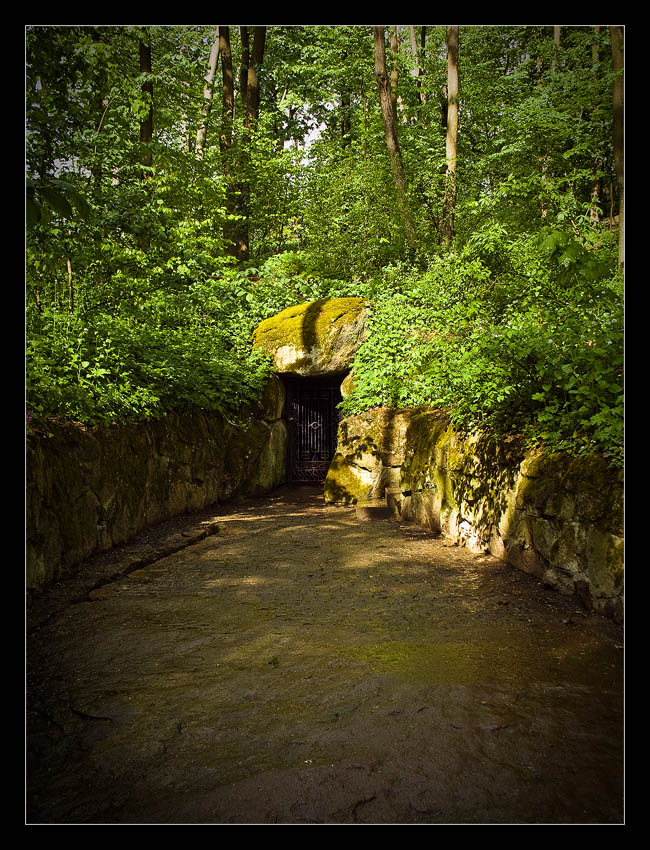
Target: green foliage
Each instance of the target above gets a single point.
(536, 348)
(165, 353)
(59, 196)
(136, 306)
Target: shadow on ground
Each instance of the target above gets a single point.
(298, 666)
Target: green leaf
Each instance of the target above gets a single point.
(57, 201)
(80, 204)
(33, 211)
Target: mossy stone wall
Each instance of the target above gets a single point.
(89, 489)
(557, 517)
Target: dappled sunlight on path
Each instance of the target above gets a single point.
(302, 667)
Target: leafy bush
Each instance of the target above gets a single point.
(533, 345)
(168, 353)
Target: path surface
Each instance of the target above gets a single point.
(300, 667)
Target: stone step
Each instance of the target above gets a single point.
(369, 509)
(394, 499)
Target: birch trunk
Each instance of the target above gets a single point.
(451, 147)
(208, 93)
(419, 59)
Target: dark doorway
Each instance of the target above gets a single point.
(313, 421)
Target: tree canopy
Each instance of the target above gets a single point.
(185, 182)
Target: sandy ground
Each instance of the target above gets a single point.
(296, 666)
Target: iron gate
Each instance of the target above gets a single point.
(313, 424)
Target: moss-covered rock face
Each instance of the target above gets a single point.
(552, 515)
(569, 511)
(370, 451)
(318, 338)
(91, 488)
(346, 483)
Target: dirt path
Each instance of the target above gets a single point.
(300, 667)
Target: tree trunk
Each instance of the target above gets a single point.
(596, 183)
(146, 127)
(619, 140)
(544, 158)
(394, 73)
(146, 124)
(185, 122)
(346, 109)
(70, 286)
(102, 106)
(595, 49)
(243, 68)
(233, 231)
(346, 120)
(208, 91)
(419, 58)
(253, 85)
(234, 238)
(451, 147)
(228, 90)
(236, 157)
(390, 131)
(557, 37)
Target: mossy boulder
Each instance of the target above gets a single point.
(346, 483)
(371, 448)
(318, 338)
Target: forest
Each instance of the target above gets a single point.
(185, 182)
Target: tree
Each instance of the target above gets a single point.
(228, 90)
(146, 122)
(252, 91)
(449, 203)
(208, 91)
(616, 33)
(419, 56)
(312, 187)
(390, 130)
(235, 154)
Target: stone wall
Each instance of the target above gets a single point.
(89, 489)
(557, 517)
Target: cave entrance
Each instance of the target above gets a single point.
(312, 419)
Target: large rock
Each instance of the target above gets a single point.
(318, 338)
(369, 455)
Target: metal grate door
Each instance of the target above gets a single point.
(313, 424)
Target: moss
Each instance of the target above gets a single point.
(604, 562)
(345, 483)
(269, 470)
(315, 338)
(426, 436)
(349, 384)
(445, 487)
(598, 488)
(305, 324)
(449, 662)
(244, 446)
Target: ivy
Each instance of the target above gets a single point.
(514, 355)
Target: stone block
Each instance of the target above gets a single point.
(317, 338)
